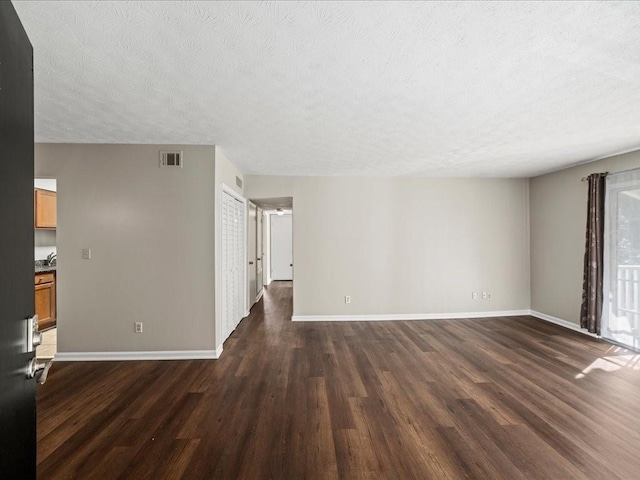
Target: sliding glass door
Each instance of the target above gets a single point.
(621, 306)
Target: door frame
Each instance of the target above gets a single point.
(610, 257)
(260, 242)
(252, 270)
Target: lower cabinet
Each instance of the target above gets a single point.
(46, 300)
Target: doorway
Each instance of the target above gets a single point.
(282, 246)
(269, 242)
(621, 283)
(45, 222)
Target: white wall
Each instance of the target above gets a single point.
(45, 243)
(46, 184)
(151, 232)
(405, 245)
(558, 225)
(269, 186)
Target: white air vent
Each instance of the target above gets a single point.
(238, 182)
(171, 159)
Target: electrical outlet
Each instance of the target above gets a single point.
(347, 299)
(488, 296)
(485, 295)
(138, 327)
(86, 253)
(474, 295)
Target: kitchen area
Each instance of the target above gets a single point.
(45, 221)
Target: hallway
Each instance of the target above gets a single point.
(491, 398)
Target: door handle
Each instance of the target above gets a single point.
(34, 337)
(38, 369)
(250, 263)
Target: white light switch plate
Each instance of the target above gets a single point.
(86, 253)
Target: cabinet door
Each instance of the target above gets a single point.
(45, 209)
(45, 305)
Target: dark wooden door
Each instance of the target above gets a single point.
(17, 393)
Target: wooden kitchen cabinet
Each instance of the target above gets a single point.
(45, 209)
(45, 284)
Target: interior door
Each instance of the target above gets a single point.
(282, 247)
(259, 254)
(252, 254)
(17, 392)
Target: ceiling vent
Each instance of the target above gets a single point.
(171, 159)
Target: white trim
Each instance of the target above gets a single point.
(563, 323)
(406, 316)
(151, 355)
(259, 295)
(442, 316)
(246, 314)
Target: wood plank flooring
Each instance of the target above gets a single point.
(510, 398)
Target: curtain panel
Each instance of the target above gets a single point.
(592, 293)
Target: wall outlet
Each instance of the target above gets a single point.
(86, 253)
(347, 299)
(474, 295)
(138, 327)
(486, 296)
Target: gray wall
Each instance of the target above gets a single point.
(405, 245)
(151, 232)
(558, 222)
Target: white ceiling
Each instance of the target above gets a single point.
(422, 89)
(286, 203)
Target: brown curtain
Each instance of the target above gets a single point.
(591, 310)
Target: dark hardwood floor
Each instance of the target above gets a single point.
(512, 398)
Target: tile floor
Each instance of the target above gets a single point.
(48, 347)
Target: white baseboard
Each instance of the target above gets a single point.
(259, 296)
(563, 323)
(406, 316)
(441, 316)
(155, 355)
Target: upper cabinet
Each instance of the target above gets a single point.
(45, 204)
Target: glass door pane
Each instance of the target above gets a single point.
(621, 309)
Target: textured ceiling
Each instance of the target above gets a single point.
(345, 88)
(285, 203)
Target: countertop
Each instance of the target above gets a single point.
(45, 268)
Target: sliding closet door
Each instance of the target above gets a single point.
(621, 309)
(233, 250)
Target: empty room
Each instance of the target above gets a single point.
(320, 240)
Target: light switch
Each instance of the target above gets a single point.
(86, 253)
